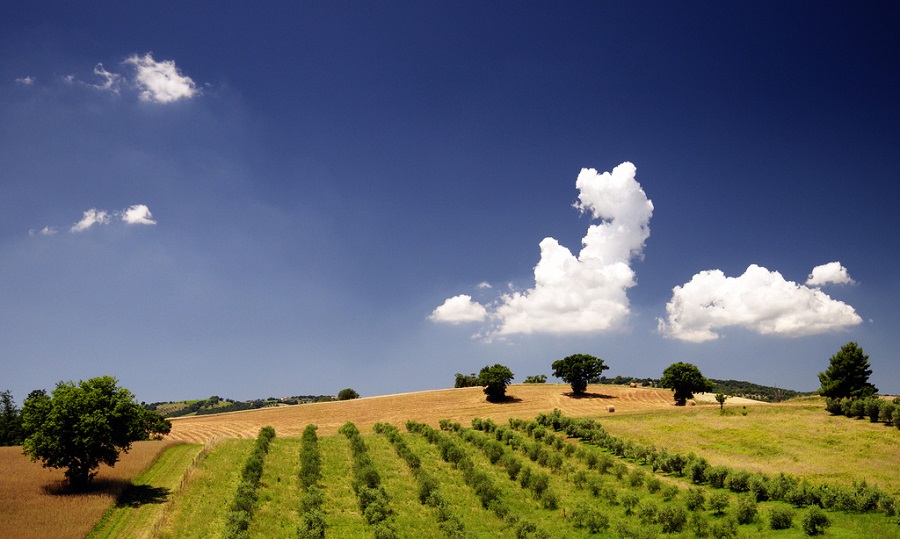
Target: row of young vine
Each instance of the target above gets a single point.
(374, 502)
(429, 492)
(859, 497)
(312, 517)
(242, 507)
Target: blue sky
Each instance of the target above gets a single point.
(293, 198)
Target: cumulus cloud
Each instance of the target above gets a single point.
(161, 82)
(91, 217)
(584, 293)
(139, 214)
(760, 300)
(830, 273)
(459, 309)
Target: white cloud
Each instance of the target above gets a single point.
(25, 81)
(759, 300)
(161, 82)
(111, 82)
(484, 284)
(91, 217)
(830, 273)
(139, 214)
(586, 293)
(459, 309)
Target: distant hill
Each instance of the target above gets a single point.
(217, 405)
(734, 388)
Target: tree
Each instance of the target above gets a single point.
(685, 379)
(466, 380)
(10, 421)
(847, 375)
(720, 398)
(347, 394)
(495, 379)
(577, 370)
(536, 379)
(81, 427)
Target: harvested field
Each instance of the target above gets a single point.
(33, 506)
(527, 400)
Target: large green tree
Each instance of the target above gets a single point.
(79, 427)
(847, 374)
(577, 370)
(495, 379)
(684, 379)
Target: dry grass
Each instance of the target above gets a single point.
(33, 504)
(527, 400)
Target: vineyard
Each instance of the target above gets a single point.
(446, 464)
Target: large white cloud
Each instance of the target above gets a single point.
(161, 82)
(459, 309)
(759, 300)
(830, 273)
(139, 214)
(586, 293)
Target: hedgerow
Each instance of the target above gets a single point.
(312, 518)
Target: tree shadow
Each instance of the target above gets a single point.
(138, 495)
(508, 399)
(125, 493)
(573, 395)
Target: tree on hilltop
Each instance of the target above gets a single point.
(847, 374)
(578, 370)
(81, 427)
(684, 379)
(495, 379)
(347, 394)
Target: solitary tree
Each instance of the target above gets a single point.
(577, 370)
(847, 374)
(347, 394)
(685, 379)
(720, 398)
(495, 379)
(81, 427)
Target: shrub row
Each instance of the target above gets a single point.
(312, 518)
(241, 510)
(858, 497)
(873, 408)
(488, 493)
(374, 502)
(428, 487)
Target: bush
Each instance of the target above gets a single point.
(815, 521)
(653, 484)
(694, 499)
(585, 516)
(725, 528)
(781, 517)
(669, 492)
(896, 420)
(873, 408)
(672, 518)
(746, 510)
(630, 501)
(718, 502)
(887, 412)
(738, 481)
(716, 476)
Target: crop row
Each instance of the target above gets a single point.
(312, 517)
(241, 509)
(374, 502)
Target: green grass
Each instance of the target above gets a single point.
(200, 509)
(279, 494)
(143, 502)
(801, 439)
(341, 511)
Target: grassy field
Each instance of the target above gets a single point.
(189, 496)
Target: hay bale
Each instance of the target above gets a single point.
(610, 408)
(632, 384)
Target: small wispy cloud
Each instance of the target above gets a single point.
(138, 214)
(111, 81)
(161, 82)
(25, 81)
(459, 309)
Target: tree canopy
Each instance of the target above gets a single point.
(684, 379)
(578, 370)
(83, 426)
(466, 380)
(347, 394)
(847, 374)
(495, 379)
(10, 421)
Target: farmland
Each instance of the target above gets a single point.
(474, 474)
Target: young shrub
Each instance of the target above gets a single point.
(725, 528)
(815, 521)
(833, 406)
(718, 502)
(587, 517)
(648, 513)
(549, 500)
(605, 462)
(699, 525)
(669, 493)
(896, 420)
(886, 415)
(758, 485)
(858, 408)
(630, 501)
(694, 499)
(696, 470)
(781, 517)
(619, 470)
(746, 510)
(738, 481)
(873, 408)
(847, 407)
(672, 518)
(653, 484)
(636, 477)
(716, 476)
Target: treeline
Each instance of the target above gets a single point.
(11, 432)
(216, 405)
(732, 388)
(873, 408)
